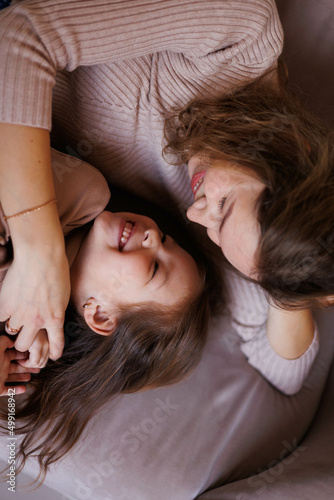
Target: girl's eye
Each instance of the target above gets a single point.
(221, 203)
(156, 267)
(163, 239)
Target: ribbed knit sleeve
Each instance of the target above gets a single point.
(287, 375)
(249, 310)
(40, 37)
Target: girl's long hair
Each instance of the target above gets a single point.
(150, 347)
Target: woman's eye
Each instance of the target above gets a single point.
(221, 203)
(156, 267)
(163, 239)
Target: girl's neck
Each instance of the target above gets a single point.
(74, 241)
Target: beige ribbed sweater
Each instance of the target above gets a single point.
(103, 73)
(118, 64)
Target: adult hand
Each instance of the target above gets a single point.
(36, 288)
(34, 295)
(9, 371)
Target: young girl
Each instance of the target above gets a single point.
(138, 317)
(138, 320)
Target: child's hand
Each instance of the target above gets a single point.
(38, 352)
(10, 371)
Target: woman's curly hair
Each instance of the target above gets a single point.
(264, 127)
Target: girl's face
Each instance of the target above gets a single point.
(225, 203)
(126, 259)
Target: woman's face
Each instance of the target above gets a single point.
(126, 259)
(225, 198)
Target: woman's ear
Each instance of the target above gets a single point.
(98, 319)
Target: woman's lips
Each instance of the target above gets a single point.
(197, 180)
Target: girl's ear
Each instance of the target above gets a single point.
(98, 319)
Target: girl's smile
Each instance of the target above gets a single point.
(126, 259)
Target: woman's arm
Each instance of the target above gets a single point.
(39, 37)
(36, 289)
(284, 349)
(280, 345)
(290, 333)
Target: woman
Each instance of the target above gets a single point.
(109, 98)
(262, 176)
(109, 104)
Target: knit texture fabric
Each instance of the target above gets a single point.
(113, 71)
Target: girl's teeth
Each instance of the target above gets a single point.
(126, 233)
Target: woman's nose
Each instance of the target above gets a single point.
(151, 238)
(198, 212)
(203, 214)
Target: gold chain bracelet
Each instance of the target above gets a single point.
(30, 210)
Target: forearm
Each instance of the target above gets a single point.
(290, 333)
(107, 33)
(249, 309)
(285, 351)
(36, 289)
(41, 37)
(26, 181)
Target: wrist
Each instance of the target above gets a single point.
(31, 210)
(37, 228)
